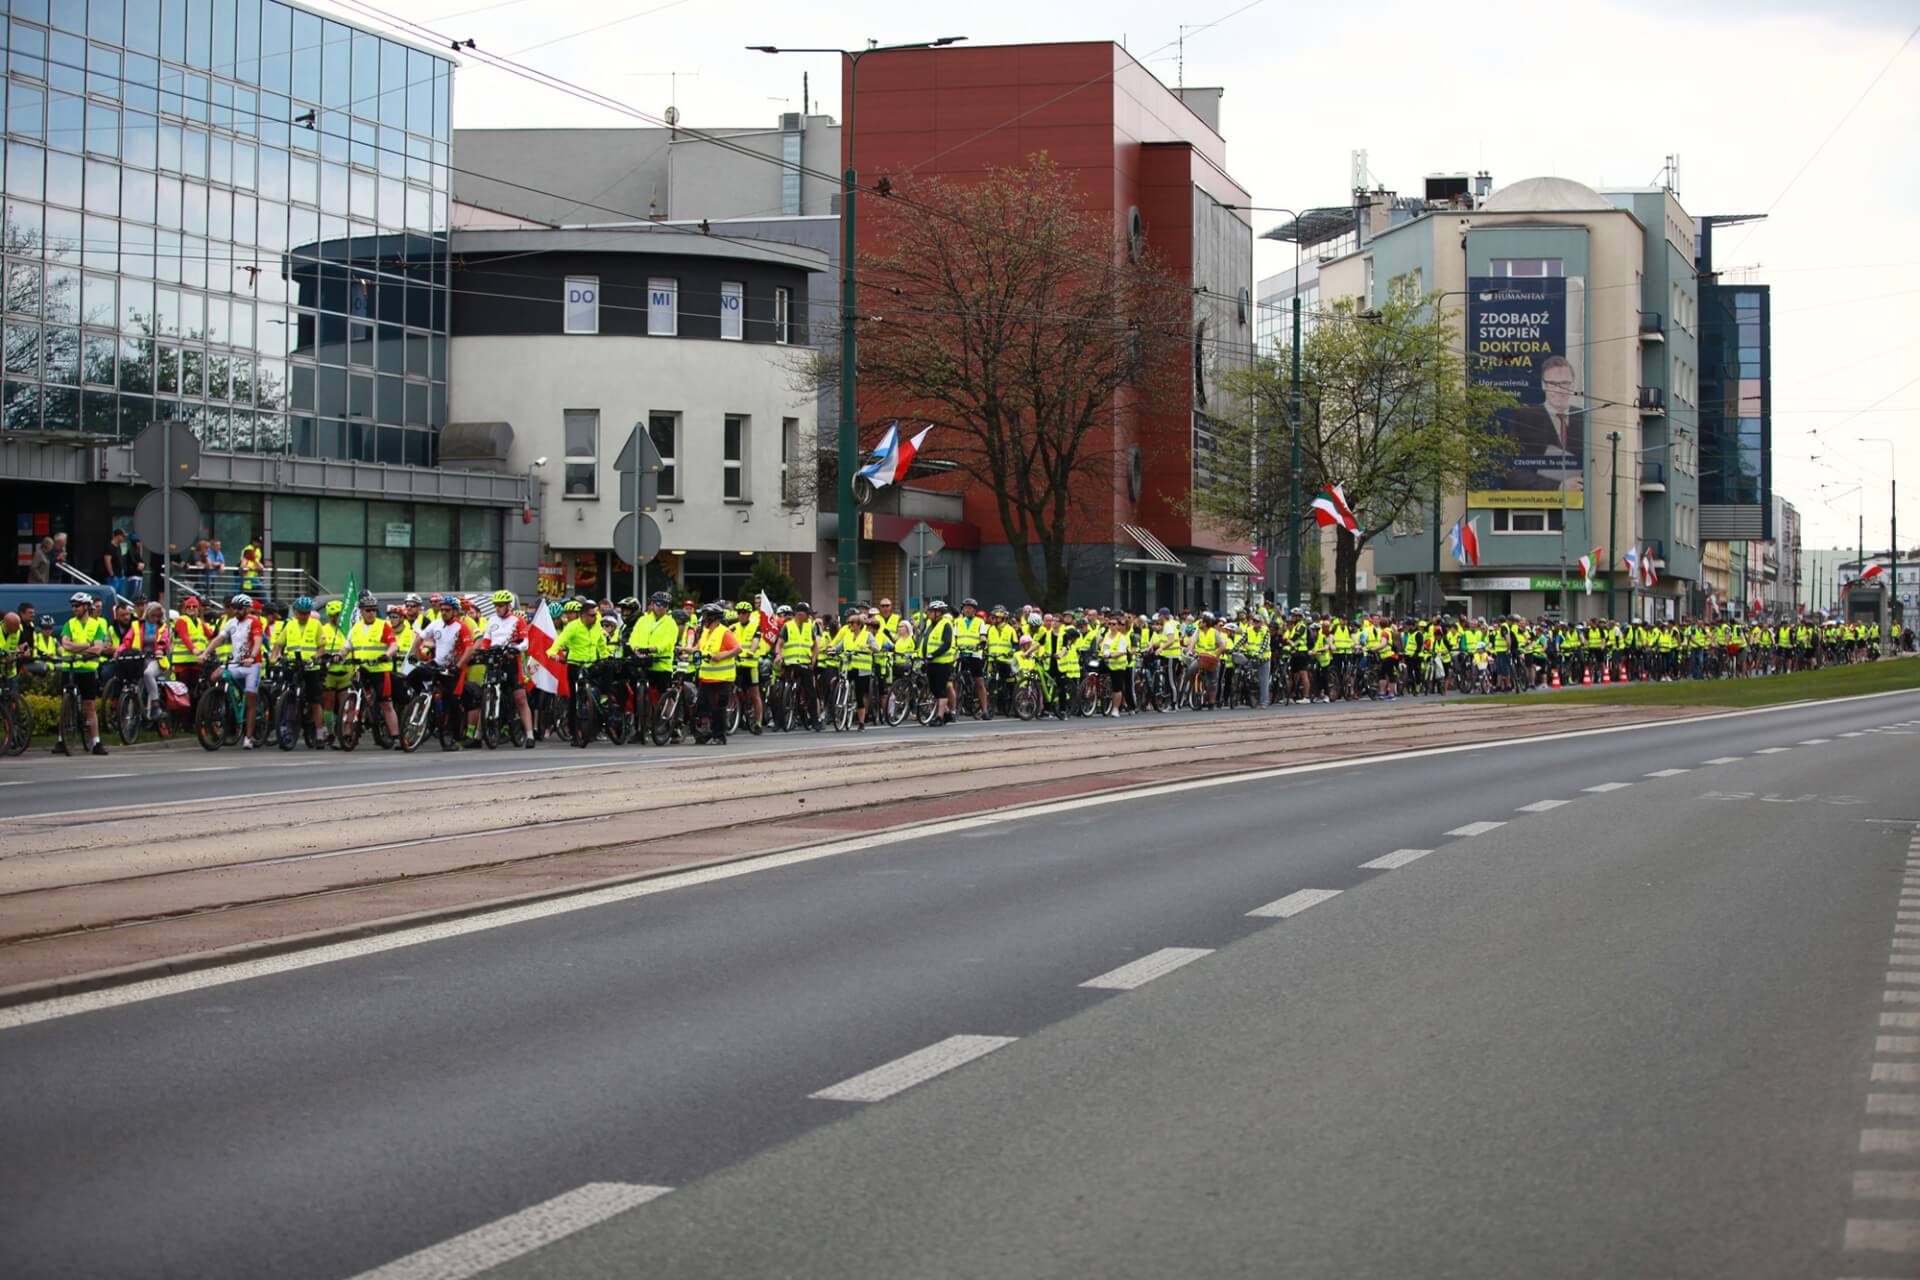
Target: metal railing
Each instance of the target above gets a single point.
(261, 584)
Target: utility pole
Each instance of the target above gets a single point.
(1893, 533)
(1293, 487)
(1613, 523)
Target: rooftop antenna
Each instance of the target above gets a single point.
(673, 89)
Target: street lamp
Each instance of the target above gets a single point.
(1293, 406)
(1893, 532)
(849, 541)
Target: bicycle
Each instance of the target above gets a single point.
(125, 691)
(674, 717)
(291, 717)
(359, 712)
(596, 707)
(433, 711)
(1033, 693)
(16, 719)
(220, 715)
(498, 717)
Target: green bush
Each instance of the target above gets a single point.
(769, 577)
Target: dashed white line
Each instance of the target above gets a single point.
(1890, 1142)
(1815, 742)
(1668, 773)
(1608, 786)
(1900, 997)
(1771, 751)
(485, 1248)
(1886, 1184)
(1910, 976)
(1724, 760)
(1896, 1072)
(1541, 806)
(1294, 903)
(1853, 735)
(1398, 858)
(1880, 1235)
(1476, 828)
(1896, 1044)
(1902, 1021)
(916, 1068)
(1138, 973)
(1893, 1104)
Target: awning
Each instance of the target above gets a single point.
(1242, 566)
(1157, 554)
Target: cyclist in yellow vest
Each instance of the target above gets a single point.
(84, 640)
(1207, 643)
(1002, 638)
(1116, 650)
(373, 643)
(970, 641)
(800, 642)
(303, 638)
(938, 647)
(753, 648)
(719, 650)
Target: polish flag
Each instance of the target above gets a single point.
(896, 462)
(549, 672)
(1331, 508)
(1466, 542)
(1873, 571)
(1588, 564)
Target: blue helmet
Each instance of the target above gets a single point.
(303, 604)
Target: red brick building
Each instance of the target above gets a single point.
(1154, 161)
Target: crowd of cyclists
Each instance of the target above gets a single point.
(467, 671)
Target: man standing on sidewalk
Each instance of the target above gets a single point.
(113, 563)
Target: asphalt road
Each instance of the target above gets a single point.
(1630, 1034)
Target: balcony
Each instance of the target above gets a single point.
(1652, 328)
(1651, 402)
(1656, 548)
(1653, 478)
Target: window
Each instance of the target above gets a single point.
(1538, 268)
(1506, 521)
(663, 308)
(789, 458)
(782, 311)
(732, 302)
(733, 457)
(583, 453)
(583, 304)
(664, 428)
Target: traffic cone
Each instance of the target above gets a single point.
(1556, 678)
(1606, 673)
(1624, 677)
(1586, 675)
(1643, 675)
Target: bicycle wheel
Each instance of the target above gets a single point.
(894, 706)
(209, 717)
(18, 725)
(665, 715)
(413, 730)
(923, 701)
(586, 719)
(733, 710)
(1026, 700)
(347, 730)
(126, 716)
(286, 720)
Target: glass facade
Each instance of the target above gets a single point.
(227, 212)
(1735, 378)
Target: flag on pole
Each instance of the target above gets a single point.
(1466, 542)
(768, 619)
(350, 601)
(1632, 561)
(895, 460)
(885, 447)
(1331, 508)
(1649, 576)
(1873, 571)
(1588, 564)
(549, 670)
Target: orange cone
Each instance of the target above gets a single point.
(1586, 676)
(1606, 673)
(1556, 678)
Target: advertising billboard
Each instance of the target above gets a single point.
(1517, 341)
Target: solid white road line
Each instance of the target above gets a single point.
(917, 1067)
(1139, 972)
(1475, 828)
(1771, 751)
(1294, 903)
(1608, 786)
(1723, 760)
(1398, 858)
(1880, 1235)
(1668, 773)
(485, 1248)
(1886, 1184)
(1541, 806)
(1893, 1104)
(1890, 1142)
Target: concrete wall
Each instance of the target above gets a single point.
(531, 381)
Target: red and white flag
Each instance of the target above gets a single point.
(1588, 563)
(769, 621)
(894, 463)
(549, 671)
(1873, 571)
(1331, 508)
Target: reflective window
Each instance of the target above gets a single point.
(173, 30)
(136, 195)
(26, 110)
(306, 66)
(63, 178)
(336, 59)
(27, 52)
(199, 33)
(67, 62)
(63, 235)
(66, 121)
(103, 71)
(103, 130)
(26, 178)
(103, 187)
(142, 140)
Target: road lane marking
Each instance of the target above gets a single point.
(1901, 1021)
(916, 1068)
(1608, 786)
(1896, 1044)
(1668, 773)
(1896, 1073)
(1138, 973)
(1882, 1235)
(1398, 858)
(1900, 997)
(1294, 903)
(1893, 1104)
(1853, 735)
(1771, 751)
(1815, 742)
(1886, 1184)
(1541, 806)
(102, 777)
(1903, 975)
(209, 768)
(1724, 760)
(1475, 828)
(1889, 1142)
(517, 1234)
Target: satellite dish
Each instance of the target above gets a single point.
(673, 116)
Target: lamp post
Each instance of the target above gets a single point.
(1613, 521)
(1893, 535)
(849, 541)
(1293, 408)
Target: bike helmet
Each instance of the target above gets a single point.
(503, 597)
(412, 598)
(969, 603)
(801, 606)
(369, 602)
(303, 604)
(333, 608)
(660, 598)
(246, 602)
(938, 606)
(999, 611)
(46, 623)
(745, 606)
(784, 611)
(191, 602)
(1207, 616)
(79, 597)
(712, 611)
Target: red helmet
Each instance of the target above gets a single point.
(191, 602)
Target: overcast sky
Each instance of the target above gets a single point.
(1747, 92)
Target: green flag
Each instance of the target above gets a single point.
(349, 602)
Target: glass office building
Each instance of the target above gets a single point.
(1736, 399)
(231, 212)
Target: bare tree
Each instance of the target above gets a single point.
(1022, 328)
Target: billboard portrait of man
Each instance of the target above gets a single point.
(1518, 342)
(1550, 438)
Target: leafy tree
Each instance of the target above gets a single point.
(1386, 413)
(770, 577)
(1021, 327)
